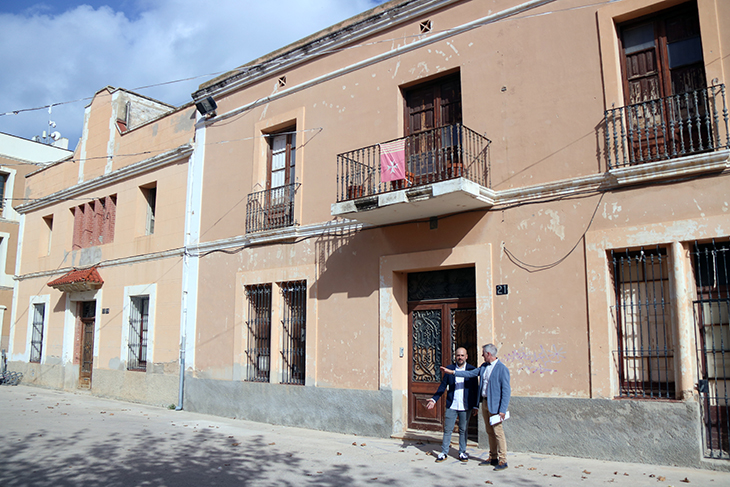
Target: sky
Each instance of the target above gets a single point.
(63, 51)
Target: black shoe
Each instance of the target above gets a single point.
(493, 462)
(501, 466)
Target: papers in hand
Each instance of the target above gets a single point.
(497, 418)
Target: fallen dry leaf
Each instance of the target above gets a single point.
(651, 476)
(362, 444)
(235, 444)
(685, 480)
(556, 475)
(531, 468)
(338, 453)
(488, 482)
(519, 466)
(586, 471)
(401, 451)
(661, 479)
(272, 443)
(354, 443)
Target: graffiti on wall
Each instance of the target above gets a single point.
(540, 361)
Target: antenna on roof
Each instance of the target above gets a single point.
(51, 137)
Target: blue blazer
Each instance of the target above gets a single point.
(471, 389)
(498, 388)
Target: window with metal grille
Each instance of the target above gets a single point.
(294, 318)
(258, 348)
(645, 355)
(36, 340)
(139, 316)
(712, 316)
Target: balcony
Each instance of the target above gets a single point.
(446, 171)
(674, 127)
(271, 209)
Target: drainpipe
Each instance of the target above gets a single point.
(182, 374)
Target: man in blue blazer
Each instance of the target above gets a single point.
(462, 398)
(495, 388)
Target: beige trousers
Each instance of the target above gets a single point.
(497, 440)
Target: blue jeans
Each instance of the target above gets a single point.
(449, 422)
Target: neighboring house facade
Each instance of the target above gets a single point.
(101, 268)
(564, 194)
(18, 157)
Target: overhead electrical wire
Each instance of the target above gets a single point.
(320, 53)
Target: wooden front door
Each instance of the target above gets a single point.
(87, 314)
(437, 330)
(441, 318)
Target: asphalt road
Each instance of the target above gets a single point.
(54, 438)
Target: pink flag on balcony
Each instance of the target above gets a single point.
(393, 160)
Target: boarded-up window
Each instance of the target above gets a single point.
(94, 222)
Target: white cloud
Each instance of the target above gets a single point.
(57, 58)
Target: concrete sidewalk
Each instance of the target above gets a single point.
(53, 438)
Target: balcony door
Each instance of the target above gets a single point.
(281, 178)
(433, 111)
(664, 74)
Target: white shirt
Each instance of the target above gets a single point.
(458, 403)
(485, 378)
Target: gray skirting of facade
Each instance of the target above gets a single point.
(347, 411)
(664, 433)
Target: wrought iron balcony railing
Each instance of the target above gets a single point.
(452, 151)
(271, 209)
(667, 128)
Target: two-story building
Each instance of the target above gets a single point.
(547, 175)
(102, 255)
(550, 176)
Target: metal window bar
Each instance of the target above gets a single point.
(36, 341)
(712, 317)
(294, 318)
(138, 327)
(258, 343)
(439, 154)
(271, 209)
(645, 355)
(667, 128)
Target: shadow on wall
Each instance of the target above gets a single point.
(348, 260)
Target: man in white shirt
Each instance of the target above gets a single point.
(461, 399)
